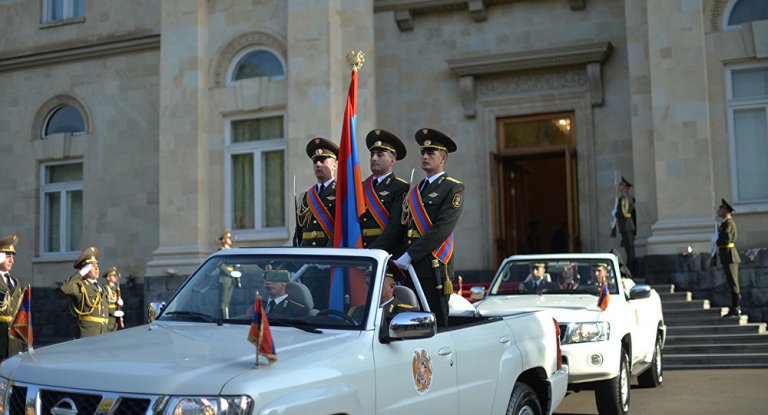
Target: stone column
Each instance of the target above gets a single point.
(183, 149)
(320, 34)
(681, 131)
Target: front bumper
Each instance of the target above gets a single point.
(592, 361)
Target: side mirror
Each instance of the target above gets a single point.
(154, 310)
(477, 293)
(412, 325)
(639, 291)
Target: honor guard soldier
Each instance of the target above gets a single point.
(225, 239)
(114, 300)
(383, 192)
(316, 210)
(10, 290)
(431, 211)
(87, 298)
(729, 255)
(625, 218)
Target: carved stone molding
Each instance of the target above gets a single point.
(548, 80)
(478, 9)
(78, 53)
(52, 103)
(714, 10)
(589, 57)
(235, 45)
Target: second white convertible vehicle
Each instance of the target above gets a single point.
(611, 328)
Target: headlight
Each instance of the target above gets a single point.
(594, 331)
(209, 405)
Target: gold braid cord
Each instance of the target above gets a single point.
(5, 303)
(303, 212)
(405, 215)
(85, 301)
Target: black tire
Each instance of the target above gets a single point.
(524, 401)
(612, 396)
(653, 376)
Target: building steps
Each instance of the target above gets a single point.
(699, 337)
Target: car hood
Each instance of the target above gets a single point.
(196, 358)
(564, 307)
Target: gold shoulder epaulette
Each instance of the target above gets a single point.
(453, 180)
(402, 180)
(299, 304)
(406, 306)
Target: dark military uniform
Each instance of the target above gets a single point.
(88, 300)
(625, 218)
(10, 298)
(442, 200)
(729, 257)
(309, 229)
(389, 194)
(288, 307)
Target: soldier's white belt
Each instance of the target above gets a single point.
(372, 232)
(313, 235)
(413, 233)
(94, 319)
(5, 319)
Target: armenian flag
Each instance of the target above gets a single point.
(21, 324)
(605, 296)
(260, 334)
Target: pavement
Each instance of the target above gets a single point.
(700, 392)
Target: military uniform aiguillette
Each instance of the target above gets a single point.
(10, 298)
(87, 299)
(316, 209)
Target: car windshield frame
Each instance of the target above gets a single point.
(202, 296)
(515, 277)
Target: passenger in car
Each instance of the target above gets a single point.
(569, 278)
(537, 281)
(391, 305)
(278, 301)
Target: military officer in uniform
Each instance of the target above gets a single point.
(114, 300)
(729, 255)
(278, 302)
(624, 212)
(316, 210)
(431, 210)
(383, 192)
(225, 239)
(10, 292)
(87, 298)
(391, 305)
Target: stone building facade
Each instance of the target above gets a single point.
(549, 101)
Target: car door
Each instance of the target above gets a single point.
(479, 349)
(416, 376)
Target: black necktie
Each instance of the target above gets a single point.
(9, 281)
(375, 183)
(423, 186)
(322, 187)
(270, 305)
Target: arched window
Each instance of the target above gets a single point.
(64, 119)
(744, 11)
(258, 63)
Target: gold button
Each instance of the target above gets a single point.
(314, 234)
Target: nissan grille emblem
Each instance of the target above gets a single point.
(65, 406)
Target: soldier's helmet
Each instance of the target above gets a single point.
(226, 234)
(725, 205)
(429, 138)
(379, 139)
(320, 148)
(111, 271)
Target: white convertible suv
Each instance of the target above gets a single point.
(333, 354)
(602, 347)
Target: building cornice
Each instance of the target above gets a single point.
(478, 9)
(78, 53)
(590, 55)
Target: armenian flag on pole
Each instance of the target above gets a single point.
(605, 296)
(260, 334)
(350, 199)
(21, 324)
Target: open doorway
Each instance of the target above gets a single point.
(536, 195)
